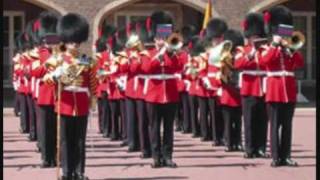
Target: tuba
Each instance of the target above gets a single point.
(220, 56)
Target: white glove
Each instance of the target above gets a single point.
(276, 39)
(58, 72)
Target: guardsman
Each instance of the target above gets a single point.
(193, 67)
(15, 76)
(45, 92)
(230, 94)
(117, 84)
(77, 75)
(250, 82)
(183, 122)
(23, 89)
(104, 51)
(161, 91)
(281, 58)
(214, 36)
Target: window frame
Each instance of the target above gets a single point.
(11, 46)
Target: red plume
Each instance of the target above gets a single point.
(110, 42)
(36, 25)
(138, 28)
(99, 32)
(190, 45)
(266, 17)
(148, 24)
(128, 29)
(244, 24)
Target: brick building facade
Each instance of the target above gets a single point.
(119, 12)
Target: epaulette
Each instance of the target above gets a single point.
(145, 53)
(35, 64)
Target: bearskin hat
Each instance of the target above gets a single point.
(48, 23)
(119, 40)
(215, 28)
(101, 45)
(159, 17)
(73, 28)
(235, 37)
(107, 31)
(275, 16)
(253, 25)
(187, 33)
(197, 46)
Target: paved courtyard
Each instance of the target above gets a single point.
(106, 160)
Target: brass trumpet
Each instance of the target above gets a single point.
(296, 41)
(175, 42)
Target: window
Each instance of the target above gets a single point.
(300, 24)
(306, 23)
(138, 12)
(13, 23)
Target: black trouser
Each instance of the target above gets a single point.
(255, 123)
(123, 116)
(132, 121)
(115, 118)
(100, 114)
(73, 140)
(32, 117)
(232, 120)
(24, 117)
(48, 131)
(184, 112)
(281, 115)
(38, 124)
(156, 113)
(193, 104)
(205, 121)
(218, 131)
(106, 114)
(17, 103)
(143, 127)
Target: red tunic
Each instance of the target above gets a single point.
(183, 58)
(132, 69)
(101, 65)
(281, 83)
(162, 84)
(76, 102)
(230, 96)
(251, 77)
(46, 92)
(117, 75)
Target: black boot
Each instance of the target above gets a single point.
(275, 163)
(169, 163)
(156, 163)
(289, 162)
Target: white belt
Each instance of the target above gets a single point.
(37, 87)
(187, 84)
(32, 83)
(212, 75)
(250, 72)
(26, 82)
(280, 73)
(76, 89)
(157, 77)
(122, 82)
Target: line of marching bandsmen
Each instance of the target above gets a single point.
(145, 74)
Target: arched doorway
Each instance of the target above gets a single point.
(123, 11)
